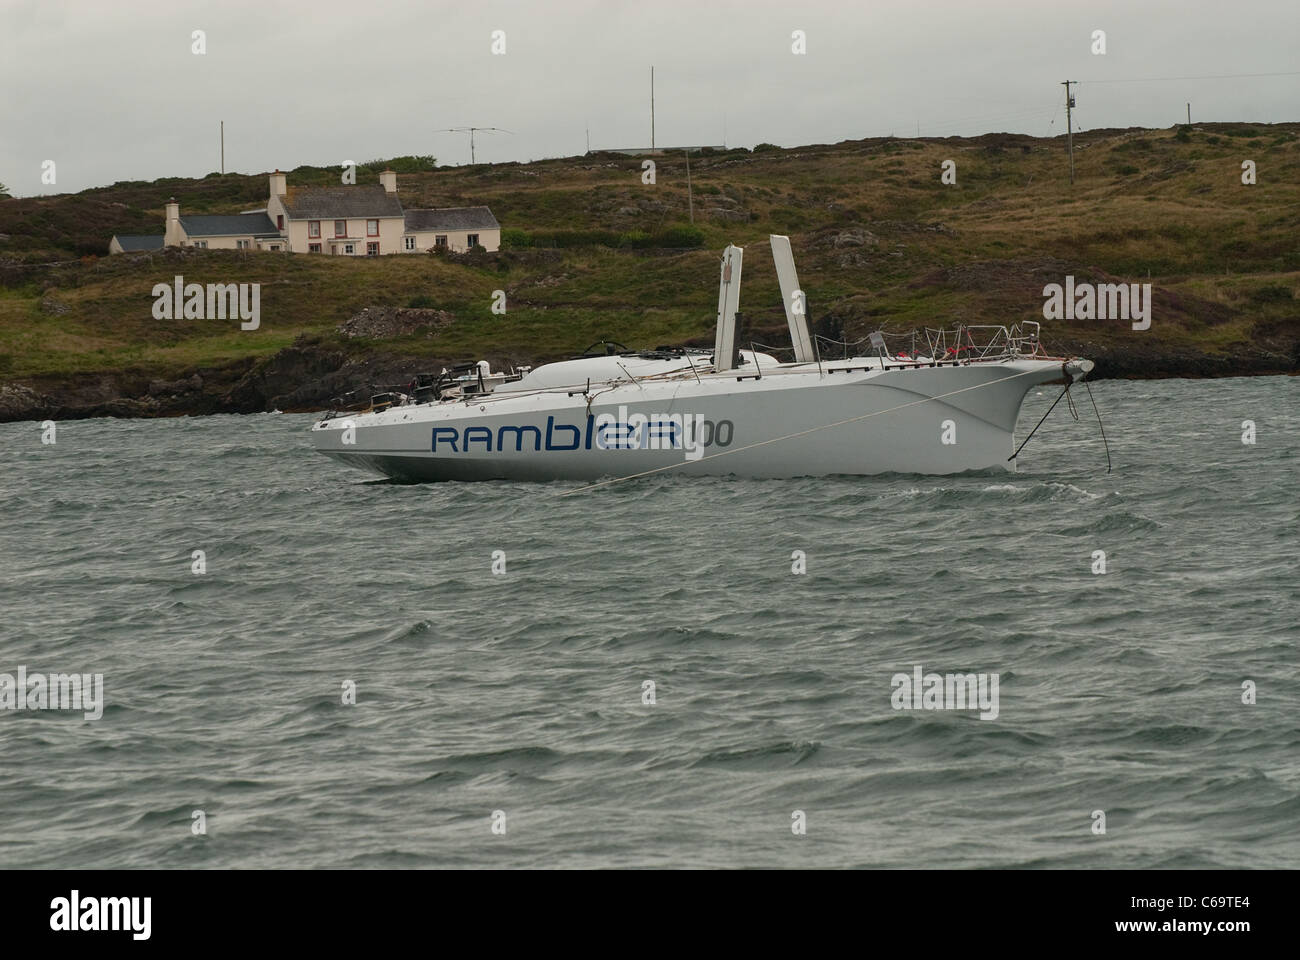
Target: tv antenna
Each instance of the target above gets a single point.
(471, 131)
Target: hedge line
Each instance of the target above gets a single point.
(678, 236)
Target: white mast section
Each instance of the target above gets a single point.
(724, 344)
(794, 299)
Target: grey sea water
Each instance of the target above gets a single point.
(522, 692)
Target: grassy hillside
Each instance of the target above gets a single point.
(878, 239)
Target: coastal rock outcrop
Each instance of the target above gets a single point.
(382, 323)
(18, 402)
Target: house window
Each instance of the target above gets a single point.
(349, 248)
(313, 248)
(440, 240)
(410, 243)
(241, 244)
(372, 249)
(472, 240)
(340, 228)
(313, 228)
(372, 228)
(279, 221)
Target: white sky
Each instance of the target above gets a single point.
(110, 90)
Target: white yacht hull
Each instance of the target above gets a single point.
(846, 417)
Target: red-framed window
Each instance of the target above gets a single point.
(340, 228)
(313, 228)
(279, 221)
(372, 228)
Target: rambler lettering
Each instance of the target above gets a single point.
(606, 431)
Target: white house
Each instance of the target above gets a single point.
(355, 221)
(347, 220)
(239, 231)
(457, 228)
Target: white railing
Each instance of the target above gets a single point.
(962, 342)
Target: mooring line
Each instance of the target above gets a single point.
(789, 436)
(1104, 442)
(1064, 393)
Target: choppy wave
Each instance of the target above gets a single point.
(649, 682)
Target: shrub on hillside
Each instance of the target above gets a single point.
(1272, 293)
(681, 236)
(416, 164)
(677, 236)
(512, 238)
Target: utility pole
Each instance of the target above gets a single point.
(223, 147)
(1069, 124)
(1189, 114)
(652, 109)
(690, 200)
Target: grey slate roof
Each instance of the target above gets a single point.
(239, 224)
(139, 242)
(340, 203)
(452, 218)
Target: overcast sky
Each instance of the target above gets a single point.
(112, 90)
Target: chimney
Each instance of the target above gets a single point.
(172, 233)
(278, 188)
(389, 179)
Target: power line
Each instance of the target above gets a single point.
(1222, 76)
(948, 123)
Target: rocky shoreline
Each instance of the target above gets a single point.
(315, 376)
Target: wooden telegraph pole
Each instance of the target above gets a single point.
(1069, 124)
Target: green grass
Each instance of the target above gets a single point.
(1163, 204)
